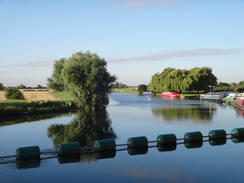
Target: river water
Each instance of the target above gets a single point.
(126, 116)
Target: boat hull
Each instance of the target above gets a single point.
(229, 100)
(170, 94)
(214, 98)
(239, 103)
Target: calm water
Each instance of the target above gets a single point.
(127, 116)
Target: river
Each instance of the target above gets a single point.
(126, 116)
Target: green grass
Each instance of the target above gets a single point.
(14, 108)
(125, 91)
(62, 95)
(13, 101)
(190, 95)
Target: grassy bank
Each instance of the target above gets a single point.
(62, 95)
(129, 91)
(15, 108)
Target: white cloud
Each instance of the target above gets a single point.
(32, 64)
(177, 54)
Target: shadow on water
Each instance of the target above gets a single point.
(86, 127)
(11, 120)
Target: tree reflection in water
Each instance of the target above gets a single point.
(87, 126)
(189, 113)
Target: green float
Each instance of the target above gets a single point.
(166, 139)
(105, 144)
(217, 134)
(69, 148)
(137, 141)
(193, 136)
(237, 132)
(28, 152)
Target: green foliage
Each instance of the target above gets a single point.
(1, 86)
(21, 86)
(56, 81)
(142, 88)
(29, 90)
(241, 84)
(195, 79)
(62, 95)
(223, 84)
(119, 85)
(14, 94)
(128, 91)
(85, 76)
(11, 108)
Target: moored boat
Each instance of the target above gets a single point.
(239, 103)
(170, 94)
(214, 96)
(231, 98)
(147, 93)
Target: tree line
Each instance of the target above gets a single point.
(21, 86)
(223, 86)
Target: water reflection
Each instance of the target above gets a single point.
(239, 112)
(29, 118)
(188, 113)
(135, 151)
(87, 126)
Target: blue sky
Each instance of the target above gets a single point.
(137, 38)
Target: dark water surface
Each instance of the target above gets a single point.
(127, 116)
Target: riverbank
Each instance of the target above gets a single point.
(135, 91)
(45, 101)
(36, 102)
(17, 108)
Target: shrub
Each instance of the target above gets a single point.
(142, 88)
(14, 94)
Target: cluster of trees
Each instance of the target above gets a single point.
(183, 80)
(21, 86)
(142, 88)
(119, 85)
(84, 76)
(222, 86)
(1, 86)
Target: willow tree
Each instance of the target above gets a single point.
(158, 82)
(85, 77)
(175, 80)
(201, 78)
(182, 80)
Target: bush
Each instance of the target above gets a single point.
(13, 94)
(142, 88)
